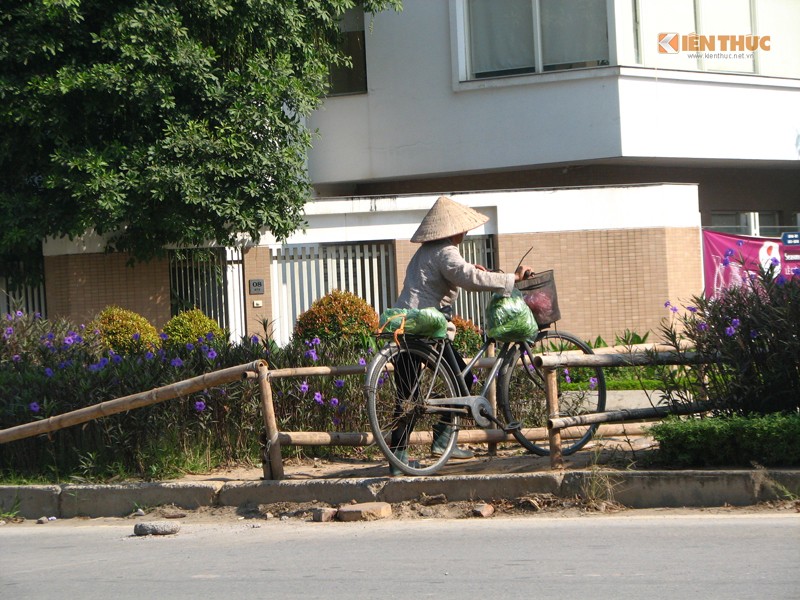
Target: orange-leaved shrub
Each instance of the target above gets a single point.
(337, 314)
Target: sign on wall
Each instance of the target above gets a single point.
(729, 260)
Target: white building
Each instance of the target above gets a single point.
(602, 133)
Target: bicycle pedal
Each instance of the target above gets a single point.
(513, 426)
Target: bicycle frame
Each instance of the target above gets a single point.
(480, 408)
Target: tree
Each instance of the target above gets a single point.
(158, 122)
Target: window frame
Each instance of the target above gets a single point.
(460, 52)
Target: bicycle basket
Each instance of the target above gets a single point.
(541, 297)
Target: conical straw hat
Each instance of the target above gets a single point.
(446, 218)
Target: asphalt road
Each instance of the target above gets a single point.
(624, 556)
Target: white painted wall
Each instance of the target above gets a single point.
(418, 121)
(523, 211)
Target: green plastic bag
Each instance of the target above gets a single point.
(429, 322)
(508, 319)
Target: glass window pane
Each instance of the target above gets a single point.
(729, 222)
(779, 19)
(353, 79)
(574, 33)
(725, 17)
(501, 37)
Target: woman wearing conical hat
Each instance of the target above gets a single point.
(433, 278)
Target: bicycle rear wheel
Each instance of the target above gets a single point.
(398, 382)
(521, 392)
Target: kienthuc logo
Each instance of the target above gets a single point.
(673, 43)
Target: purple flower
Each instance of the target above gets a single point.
(136, 336)
(199, 406)
(116, 359)
(474, 378)
(361, 361)
(691, 309)
(781, 279)
(212, 354)
(176, 362)
(210, 336)
(567, 378)
(16, 358)
(774, 261)
(726, 262)
(149, 355)
(69, 340)
(9, 332)
(334, 401)
(48, 372)
(339, 383)
(667, 304)
(304, 387)
(728, 253)
(740, 243)
(316, 341)
(336, 421)
(702, 326)
(312, 354)
(34, 407)
(20, 313)
(189, 346)
(254, 339)
(753, 334)
(592, 382)
(796, 271)
(673, 309)
(163, 336)
(730, 331)
(318, 398)
(735, 322)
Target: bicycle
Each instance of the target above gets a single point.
(411, 386)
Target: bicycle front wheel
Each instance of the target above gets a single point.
(521, 392)
(399, 380)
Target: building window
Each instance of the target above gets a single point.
(759, 224)
(513, 37)
(738, 36)
(351, 79)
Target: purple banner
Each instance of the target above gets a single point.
(729, 259)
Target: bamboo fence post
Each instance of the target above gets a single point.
(554, 434)
(271, 461)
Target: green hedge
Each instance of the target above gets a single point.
(769, 440)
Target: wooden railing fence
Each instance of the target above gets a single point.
(613, 422)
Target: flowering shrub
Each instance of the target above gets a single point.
(49, 368)
(754, 330)
(335, 315)
(321, 403)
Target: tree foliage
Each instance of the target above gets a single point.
(158, 122)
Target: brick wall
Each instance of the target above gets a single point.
(610, 281)
(78, 286)
(256, 266)
(607, 281)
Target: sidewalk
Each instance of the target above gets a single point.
(602, 471)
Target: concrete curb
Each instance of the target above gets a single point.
(635, 489)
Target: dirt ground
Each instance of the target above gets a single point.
(611, 453)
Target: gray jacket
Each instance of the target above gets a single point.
(437, 271)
